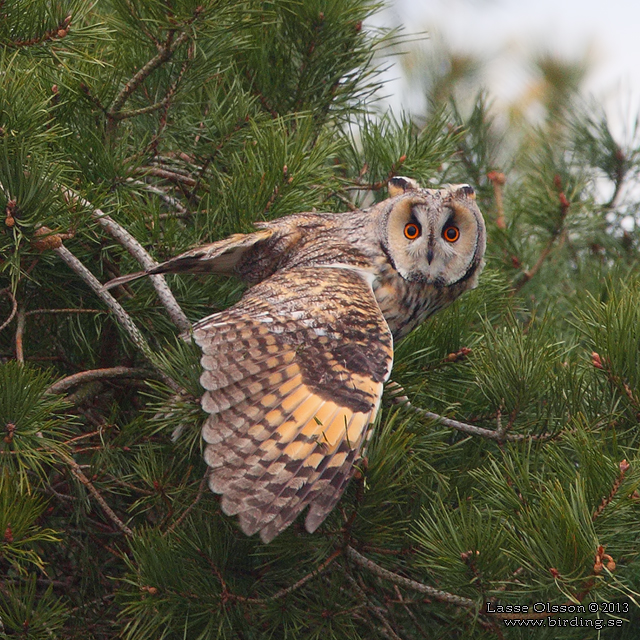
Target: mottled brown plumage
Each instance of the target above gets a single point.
(293, 373)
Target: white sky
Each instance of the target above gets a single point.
(504, 32)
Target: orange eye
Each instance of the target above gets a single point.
(451, 234)
(411, 231)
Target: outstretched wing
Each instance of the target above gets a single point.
(224, 256)
(293, 376)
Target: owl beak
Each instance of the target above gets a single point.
(430, 255)
(430, 247)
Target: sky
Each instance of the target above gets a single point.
(504, 32)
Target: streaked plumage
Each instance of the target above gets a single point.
(293, 373)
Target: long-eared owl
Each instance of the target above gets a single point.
(293, 373)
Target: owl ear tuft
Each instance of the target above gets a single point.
(466, 190)
(400, 184)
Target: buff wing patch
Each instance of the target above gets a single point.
(293, 375)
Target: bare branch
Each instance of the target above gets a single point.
(140, 254)
(172, 202)
(116, 308)
(165, 173)
(97, 374)
(498, 179)
(294, 587)
(123, 318)
(187, 511)
(436, 594)
(500, 435)
(20, 336)
(123, 115)
(77, 471)
(14, 307)
(37, 312)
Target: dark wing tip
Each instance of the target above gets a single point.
(116, 282)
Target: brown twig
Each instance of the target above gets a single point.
(294, 587)
(20, 336)
(97, 374)
(622, 165)
(165, 53)
(14, 307)
(369, 607)
(132, 487)
(605, 365)
(187, 511)
(530, 273)
(344, 200)
(624, 467)
(410, 613)
(261, 97)
(162, 124)
(77, 471)
(141, 23)
(165, 173)
(498, 180)
(559, 233)
(57, 33)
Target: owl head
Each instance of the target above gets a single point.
(434, 236)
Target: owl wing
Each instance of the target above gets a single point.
(223, 257)
(293, 375)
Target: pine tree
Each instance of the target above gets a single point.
(131, 130)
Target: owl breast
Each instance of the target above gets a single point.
(406, 304)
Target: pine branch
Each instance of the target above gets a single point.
(624, 467)
(164, 55)
(141, 24)
(162, 104)
(187, 511)
(436, 594)
(116, 308)
(57, 33)
(123, 115)
(165, 294)
(386, 630)
(410, 613)
(559, 233)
